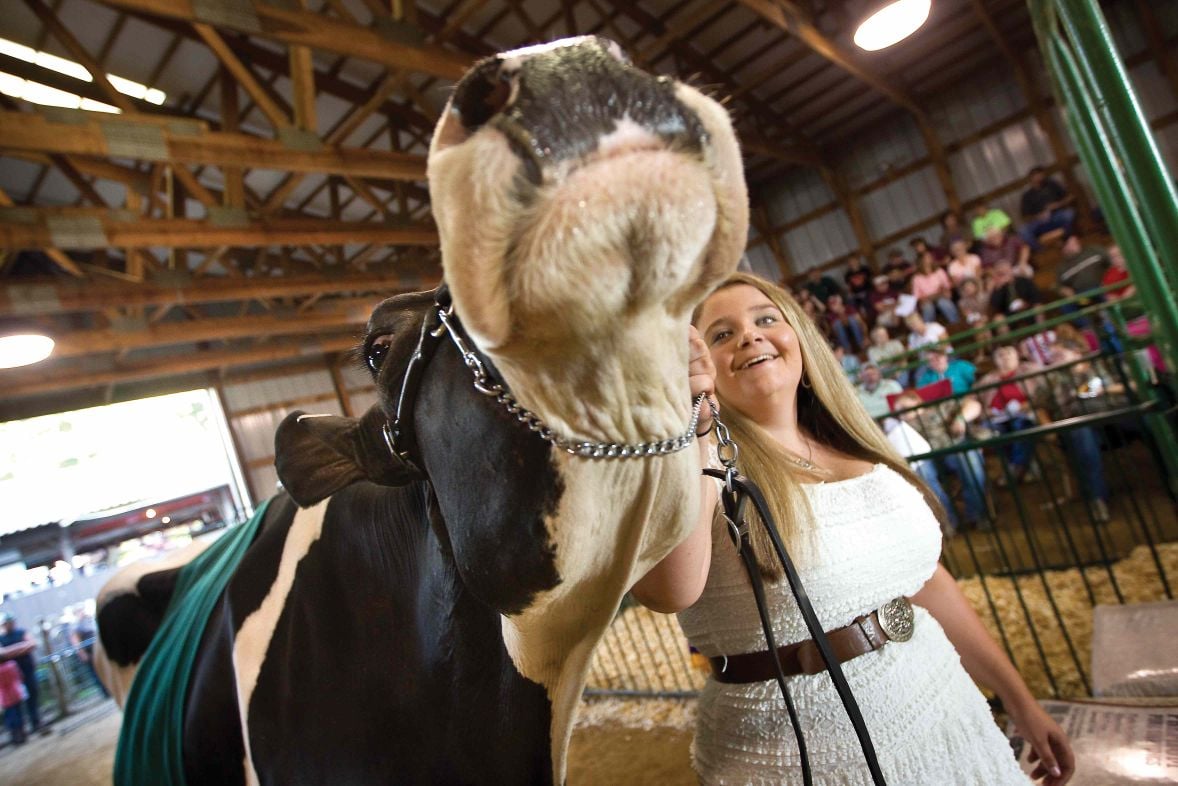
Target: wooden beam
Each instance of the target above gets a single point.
(242, 74)
(80, 55)
(187, 144)
(340, 385)
(787, 16)
(850, 205)
(760, 220)
(1154, 32)
(64, 262)
(51, 381)
(308, 28)
(234, 193)
(40, 297)
(332, 316)
(302, 77)
(47, 229)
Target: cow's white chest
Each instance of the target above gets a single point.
(252, 641)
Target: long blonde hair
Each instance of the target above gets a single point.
(828, 409)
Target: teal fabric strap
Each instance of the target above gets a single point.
(150, 751)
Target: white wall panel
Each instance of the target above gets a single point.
(248, 395)
(760, 260)
(263, 481)
(804, 190)
(998, 159)
(820, 240)
(887, 148)
(902, 203)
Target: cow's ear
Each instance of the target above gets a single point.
(317, 455)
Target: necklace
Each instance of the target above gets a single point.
(805, 463)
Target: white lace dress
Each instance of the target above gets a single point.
(875, 539)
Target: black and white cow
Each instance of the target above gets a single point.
(438, 630)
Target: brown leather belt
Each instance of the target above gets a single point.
(891, 622)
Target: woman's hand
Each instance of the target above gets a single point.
(1051, 750)
(701, 376)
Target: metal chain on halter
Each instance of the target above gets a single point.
(488, 387)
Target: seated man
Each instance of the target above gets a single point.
(1044, 208)
(874, 390)
(1001, 246)
(1082, 267)
(845, 324)
(1010, 294)
(1008, 406)
(820, 285)
(986, 219)
(939, 365)
(945, 424)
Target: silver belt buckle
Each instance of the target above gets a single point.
(896, 619)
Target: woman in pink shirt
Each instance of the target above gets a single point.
(933, 290)
(963, 265)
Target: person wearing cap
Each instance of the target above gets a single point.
(873, 390)
(17, 645)
(939, 365)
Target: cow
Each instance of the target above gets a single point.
(422, 599)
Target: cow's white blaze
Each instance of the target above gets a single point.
(252, 640)
(581, 295)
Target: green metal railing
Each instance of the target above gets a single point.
(1116, 147)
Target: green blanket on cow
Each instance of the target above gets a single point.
(150, 751)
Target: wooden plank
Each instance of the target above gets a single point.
(202, 233)
(333, 316)
(191, 145)
(340, 387)
(308, 28)
(36, 297)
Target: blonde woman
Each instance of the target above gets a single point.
(863, 531)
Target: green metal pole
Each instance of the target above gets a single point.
(1127, 126)
(1116, 200)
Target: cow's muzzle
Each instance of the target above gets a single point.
(558, 102)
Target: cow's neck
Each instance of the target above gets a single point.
(616, 519)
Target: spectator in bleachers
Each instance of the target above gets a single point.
(883, 299)
(18, 640)
(962, 263)
(986, 218)
(899, 269)
(1116, 273)
(952, 230)
(873, 389)
(1008, 405)
(973, 302)
(1044, 207)
(845, 324)
(939, 364)
(883, 347)
(933, 290)
(1082, 267)
(1083, 388)
(1002, 246)
(849, 361)
(908, 442)
(921, 246)
(1010, 294)
(922, 332)
(858, 280)
(820, 285)
(946, 424)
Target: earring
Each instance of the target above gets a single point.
(805, 380)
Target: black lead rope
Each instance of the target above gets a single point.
(738, 490)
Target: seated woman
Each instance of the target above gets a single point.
(862, 528)
(933, 290)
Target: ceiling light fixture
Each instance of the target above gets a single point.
(890, 23)
(22, 349)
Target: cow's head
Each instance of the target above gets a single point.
(584, 208)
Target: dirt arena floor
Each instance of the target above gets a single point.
(615, 744)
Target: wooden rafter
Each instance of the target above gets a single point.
(114, 230)
(192, 145)
(306, 28)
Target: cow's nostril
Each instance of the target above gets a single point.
(484, 97)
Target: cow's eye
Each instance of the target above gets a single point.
(378, 350)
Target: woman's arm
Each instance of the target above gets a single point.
(677, 581)
(988, 665)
